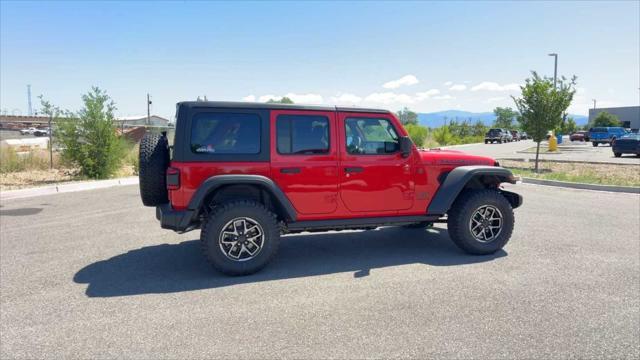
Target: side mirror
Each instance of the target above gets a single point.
(405, 146)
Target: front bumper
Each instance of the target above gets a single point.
(176, 220)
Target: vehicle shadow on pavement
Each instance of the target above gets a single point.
(169, 268)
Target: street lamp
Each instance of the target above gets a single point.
(555, 69)
(594, 104)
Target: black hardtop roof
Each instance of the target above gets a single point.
(272, 106)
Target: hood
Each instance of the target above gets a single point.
(453, 157)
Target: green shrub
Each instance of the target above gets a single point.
(417, 133)
(89, 138)
(443, 136)
(11, 161)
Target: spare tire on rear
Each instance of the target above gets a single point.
(154, 161)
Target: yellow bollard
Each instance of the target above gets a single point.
(553, 142)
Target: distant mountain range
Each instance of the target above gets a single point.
(437, 119)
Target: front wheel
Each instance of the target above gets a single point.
(481, 221)
(595, 144)
(617, 154)
(240, 238)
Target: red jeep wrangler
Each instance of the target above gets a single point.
(246, 173)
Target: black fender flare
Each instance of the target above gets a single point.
(217, 181)
(456, 180)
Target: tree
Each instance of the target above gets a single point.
(89, 138)
(407, 116)
(569, 126)
(504, 117)
(605, 119)
(541, 106)
(417, 133)
(284, 100)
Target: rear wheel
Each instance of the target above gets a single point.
(595, 144)
(617, 154)
(481, 221)
(240, 238)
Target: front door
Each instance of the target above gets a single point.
(304, 159)
(374, 177)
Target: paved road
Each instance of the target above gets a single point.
(573, 151)
(90, 274)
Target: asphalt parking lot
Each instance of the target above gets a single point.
(569, 151)
(91, 275)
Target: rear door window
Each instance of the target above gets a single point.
(302, 134)
(225, 133)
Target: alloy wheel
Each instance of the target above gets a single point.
(241, 239)
(486, 223)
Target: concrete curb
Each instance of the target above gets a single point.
(583, 186)
(66, 188)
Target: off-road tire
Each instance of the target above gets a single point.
(460, 215)
(221, 215)
(154, 161)
(617, 154)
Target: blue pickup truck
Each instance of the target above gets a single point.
(605, 135)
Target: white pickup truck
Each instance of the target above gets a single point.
(29, 131)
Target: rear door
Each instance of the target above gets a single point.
(374, 177)
(304, 159)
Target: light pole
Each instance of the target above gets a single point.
(555, 69)
(594, 104)
(148, 112)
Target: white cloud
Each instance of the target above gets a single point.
(265, 98)
(495, 99)
(297, 98)
(458, 87)
(388, 98)
(305, 98)
(427, 94)
(348, 99)
(448, 83)
(403, 81)
(443, 97)
(492, 86)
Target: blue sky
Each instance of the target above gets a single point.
(429, 56)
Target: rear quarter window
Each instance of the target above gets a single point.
(225, 133)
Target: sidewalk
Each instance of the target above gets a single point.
(66, 188)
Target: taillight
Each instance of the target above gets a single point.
(173, 178)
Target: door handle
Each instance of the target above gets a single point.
(291, 170)
(353, 169)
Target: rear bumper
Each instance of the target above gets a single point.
(176, 220)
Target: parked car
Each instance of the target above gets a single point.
(524, 136)
(605, 135)
(28, 131)
(508, 134)
(516, 135)
(244, 173)
(42, 132)
(496, 135)
(579, 136)
(626, 144)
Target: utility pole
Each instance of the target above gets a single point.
(555, 69)
(50, 141)
(148, 110)
(594, 104)
(29, 99)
